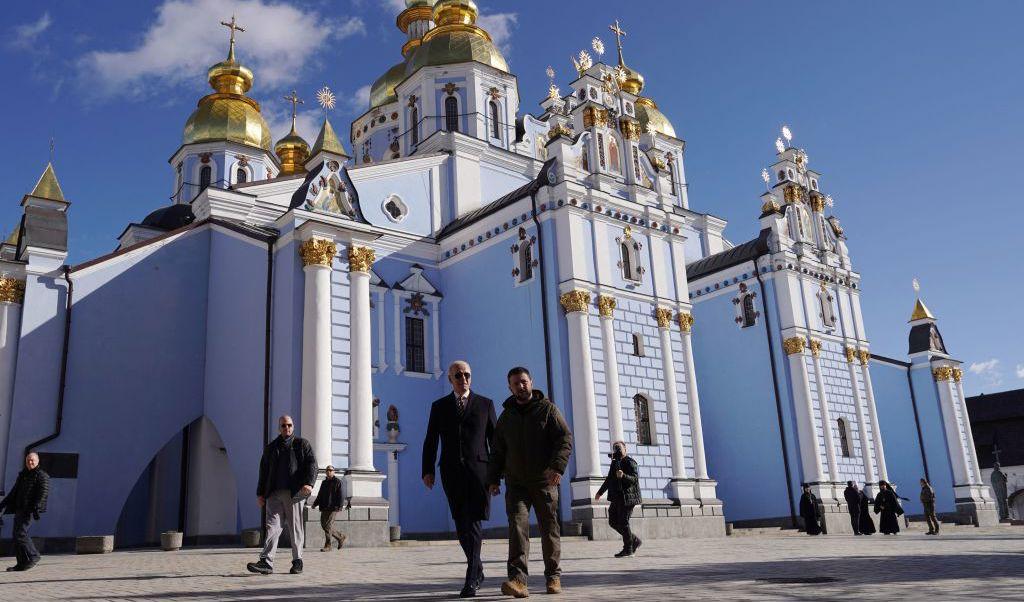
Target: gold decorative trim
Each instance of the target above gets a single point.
(559, 130)
(575, 301)
(817, 202)
(851, 354)
(942, 373)
(865, 357)
(958, 374)
(794, 345)
(815, 346)
(685, 321)
(664, 317)
(12, 290)
(360, 259)
(605, 305)
(794, 194)
(629, 128)
(318, 251)
(594, 116)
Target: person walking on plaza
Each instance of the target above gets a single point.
(867, 525)
(329, 500)
(26, 501)
(888, 505)
(928, 501)
(809, 511)
(853, 499)
(287, 474)
(532, 444)
(463, 423)
(623, 487)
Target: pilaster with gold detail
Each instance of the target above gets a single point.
(678, 489)
(867, 454)
(576, 304)
(613, 396)
(700, 464)
(810, 449)
(315, 417)
(12, 296)
(826, 415)
(865, 373)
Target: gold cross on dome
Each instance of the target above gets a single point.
(296, 101)
(618, 31)
(233, 26)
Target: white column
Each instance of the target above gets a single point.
(700, 464)
(315, 418)
(675, 438)
(865, 373)
(584, 413)
(12, 295)
(826, 415)
(810, 450)
(360, 390)
(862, 423)
(606, 306)
(972, 451)
(957, 453)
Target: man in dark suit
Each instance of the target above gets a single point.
(463, 423)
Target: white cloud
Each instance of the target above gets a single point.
(1020, 370)
(186, 38)
(278, 114)
(499, 25)
(393, 6)
(25, 35)
(359, 102)
(984, 368)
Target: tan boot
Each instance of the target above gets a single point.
(326, 548)
(341, 540)
(515, 589)
(554, 585)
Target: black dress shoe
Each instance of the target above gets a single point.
(28, 565)
(479, 578)
(637, 542)
(468, 591)
(16, 567)
(296, 567)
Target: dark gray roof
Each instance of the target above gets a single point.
(519, 193)
(996, 406)
(998, 419)
(46, 228)
(921, 339)
(747, 251)
(170, 217)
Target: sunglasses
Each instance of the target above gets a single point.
(287, 426)
(462, 375)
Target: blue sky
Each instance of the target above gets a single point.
(912, 111)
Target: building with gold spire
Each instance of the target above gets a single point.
(335, 282)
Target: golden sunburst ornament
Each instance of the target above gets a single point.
(326, 98)
(598, 45)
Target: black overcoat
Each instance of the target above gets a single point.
(465, 440)
(809, 512)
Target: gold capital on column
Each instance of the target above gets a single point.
(576, 300)
(815, 346)
(851, 354)
(958, 374)
(605, 305)
(794, 345)
(685, 321)
(865, 356)
(664, 317)
(360, 259)
(12, 290)
(942, 373)
(318, 251)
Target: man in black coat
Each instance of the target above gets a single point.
(329, 501)
(287, 474)
(26, 501)
(809, 511)
(623, 487)
(463, 423)
(853, 499)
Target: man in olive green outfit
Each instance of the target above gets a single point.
(928, 501)
(531, 449)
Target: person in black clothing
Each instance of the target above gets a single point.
(853, 496)
(329, 501)
(463, 423)
(623, 487)
(867, 525)
(287, 474)
(888, 505)
(809, 511)
(26, 501)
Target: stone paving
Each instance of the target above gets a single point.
(983, 564)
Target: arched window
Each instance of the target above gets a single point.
(782, 175)
(638, 345)
(828, 316)
(451, 114)
(414, 117)
(749, 313)
(241, 176)
(585, 157)
(613, 155)
(205, 175)
(495, 122)
(844, 437)
(415, 350)
(627, 267)
(629, 250)
(525, 261)
(644, 430)
(600, 150)
(671, 164)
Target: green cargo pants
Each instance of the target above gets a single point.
(544, 501)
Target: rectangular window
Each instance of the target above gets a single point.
(415, 355)
(642, 410)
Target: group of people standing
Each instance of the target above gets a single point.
(886, 504)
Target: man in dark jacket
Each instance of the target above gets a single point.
(463, 423)
(26, 501)
(287, 474)
(809, 511)
(623, 487)
(532, 444)
(928, 502)
(329, 501)
(853, 498)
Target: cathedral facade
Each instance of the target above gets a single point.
(336, 286)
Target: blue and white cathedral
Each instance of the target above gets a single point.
(335, 282)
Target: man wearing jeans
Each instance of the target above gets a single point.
(287, 474)
(530, 450)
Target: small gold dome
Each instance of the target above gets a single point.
(382, 91)
(456, 39)
(634, 82)
(292, 151)
(648, 114)
(228, 114)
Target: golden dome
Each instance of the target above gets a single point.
(634, 82)
(382, 91)
(228, 114)
(648, 114)
(456, 39)
(293, 151)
